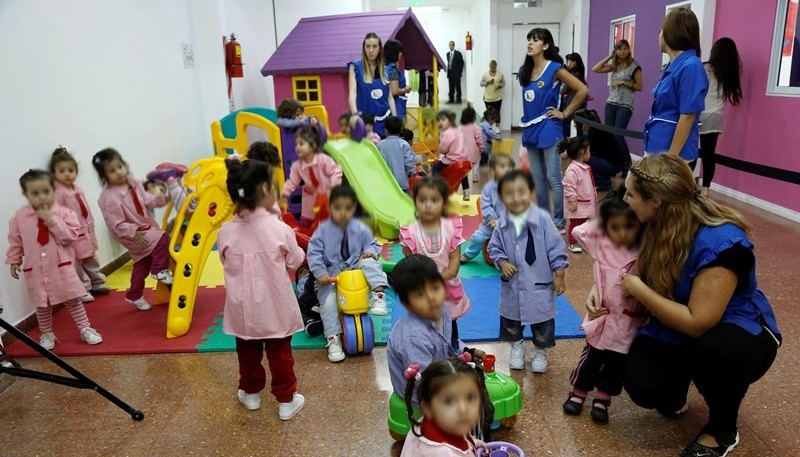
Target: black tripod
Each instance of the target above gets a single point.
(80, 380)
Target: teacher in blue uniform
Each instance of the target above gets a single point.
(680, 95)
(369, 86)
(541, 77)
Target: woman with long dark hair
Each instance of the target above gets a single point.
(541, 76)
(577, 69)
(724, 68)
(626, 80)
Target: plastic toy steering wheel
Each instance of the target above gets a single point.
(501, 449)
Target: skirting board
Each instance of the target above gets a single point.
(757, 202)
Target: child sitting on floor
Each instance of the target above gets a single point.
(397, 153)
(42, 234)
(491, 207)
(343, 243)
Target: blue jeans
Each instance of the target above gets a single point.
(602, 171)
(546, 170)
(620, 117)
(544, 333)
(479, 238)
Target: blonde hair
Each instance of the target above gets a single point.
(671, 232)
(379, 61)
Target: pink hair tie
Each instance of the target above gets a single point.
(465, 357)
(412, 372)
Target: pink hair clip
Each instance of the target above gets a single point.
(465, 357)
(412, 372)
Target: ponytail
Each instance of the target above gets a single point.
(245, 180)
(574, 147)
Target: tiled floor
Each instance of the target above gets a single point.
(190, 406)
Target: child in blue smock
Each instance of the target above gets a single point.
(490, 118)
(343, 243)
(532, 257)
(679, 97)
(491, 206)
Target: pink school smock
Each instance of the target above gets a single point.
(473, 141)
(318, 177)
(579, 186)
(122, 218)
(450, 237)
(613, 331)
(49, 269)
(256, 250)
(451, 146)
(86, 244)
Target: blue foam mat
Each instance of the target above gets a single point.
(482, 322)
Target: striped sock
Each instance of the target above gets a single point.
(45, 318)
(78, 313)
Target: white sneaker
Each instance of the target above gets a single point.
(164, 276)
(287, 411)
(250, 401)
(476, 176)
(140, 303)
(335, 352)
(87, 298)
(466, 196)
(539, 360)
(90, 336)
(575, 248)
(47, 340)
(378, 305)
(516, 361)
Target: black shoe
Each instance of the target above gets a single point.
(572, 407)
(726, 443)
(314, 328)
(600, 413)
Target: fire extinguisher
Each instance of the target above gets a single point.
(233, 58)
(469, 42)
(233, 62)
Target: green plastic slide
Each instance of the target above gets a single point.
(375, 186)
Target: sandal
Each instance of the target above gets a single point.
(574, 404)
(600, 410)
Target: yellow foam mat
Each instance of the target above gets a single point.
(212, 275)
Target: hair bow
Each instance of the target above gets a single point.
(96, 160)
(241, 192)
(412, 372)
(466, 357)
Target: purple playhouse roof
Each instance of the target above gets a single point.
(326, 44)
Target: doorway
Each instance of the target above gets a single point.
(519, 47)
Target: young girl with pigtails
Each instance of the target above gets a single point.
(64, 169)
(453, 398)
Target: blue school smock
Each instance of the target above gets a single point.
(681, 89)
(748, 307)
(400, 101)
(537, 96)
(372, 98)
(528, 296)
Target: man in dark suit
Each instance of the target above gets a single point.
(455, 67)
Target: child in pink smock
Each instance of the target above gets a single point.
(124, 204)
(611, 241)
(451, 147)
(580, 194)
(64, 168)
(439, 237)
(473, 140)
(316, 170)
(261, 311)
(41, 236)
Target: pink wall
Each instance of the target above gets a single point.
(762, 129)
(334, 93)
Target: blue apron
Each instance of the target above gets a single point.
(539, 95)
(372, 98)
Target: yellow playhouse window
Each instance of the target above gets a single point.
(306, 90)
